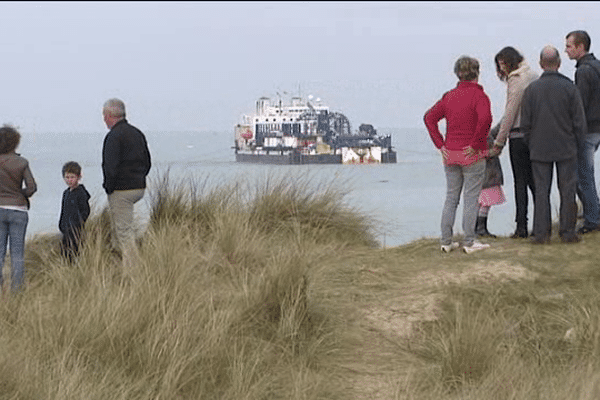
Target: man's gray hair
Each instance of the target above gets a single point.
(114, 108)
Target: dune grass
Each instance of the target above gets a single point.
(277, 290)
(217, 307)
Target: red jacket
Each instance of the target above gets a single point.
(468, 115)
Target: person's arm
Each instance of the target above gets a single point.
(526, 116)
(578, 113)
(148, 157)
(30, 185)
(483, 110)
(514, 95)
(83, 205)
(110, 162)
(584, 79)
(432, 117)
(61, 218)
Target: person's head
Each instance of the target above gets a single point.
(577, 44)
(9, 139)
(71, 172)
(113, 111)
(466, 68)
(550, 58)
(507, 60)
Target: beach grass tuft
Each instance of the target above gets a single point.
(278, 290)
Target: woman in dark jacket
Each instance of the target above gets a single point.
(14, 204)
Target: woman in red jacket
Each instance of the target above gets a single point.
(467, 112)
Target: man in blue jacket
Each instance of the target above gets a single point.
(125, 165)
(553, 123)
(587, 79)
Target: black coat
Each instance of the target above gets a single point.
(125, 158)
(552, 118)
(75, 209)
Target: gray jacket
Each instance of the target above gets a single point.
(587, 79)
(552, 118)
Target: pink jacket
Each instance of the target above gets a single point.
(468, 115)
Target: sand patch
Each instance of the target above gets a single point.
(397, 316)
(392, 321)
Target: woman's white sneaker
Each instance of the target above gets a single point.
(447, 248)
(476, 246)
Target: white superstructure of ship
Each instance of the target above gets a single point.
(306, 132)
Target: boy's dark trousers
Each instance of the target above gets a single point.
(70, 243)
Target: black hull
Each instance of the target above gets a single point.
(299, 159)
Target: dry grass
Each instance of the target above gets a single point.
(276, 291)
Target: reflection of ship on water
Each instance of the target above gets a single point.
(306, 132)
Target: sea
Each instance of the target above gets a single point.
(404, 200)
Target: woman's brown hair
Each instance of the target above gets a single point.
(9, 139)
(511, 58)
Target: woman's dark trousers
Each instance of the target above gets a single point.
(523, 179)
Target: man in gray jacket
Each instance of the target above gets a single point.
(587, 79)
(553, 121)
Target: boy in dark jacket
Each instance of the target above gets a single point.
(75, 209)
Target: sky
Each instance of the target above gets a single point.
(187, 66)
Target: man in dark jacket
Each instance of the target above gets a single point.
(553, 122)
(587, 79)
(125, 165)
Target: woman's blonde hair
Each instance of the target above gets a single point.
(466, 68)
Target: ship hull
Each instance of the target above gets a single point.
(300, 159)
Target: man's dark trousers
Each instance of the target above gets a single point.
(566, 174)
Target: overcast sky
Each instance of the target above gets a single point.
(200, 65)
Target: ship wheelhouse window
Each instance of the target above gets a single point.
(287, 129)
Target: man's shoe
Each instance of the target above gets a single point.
(584, 229)
(539, 240)
(447, 248)
(519, 234)
(476, 246)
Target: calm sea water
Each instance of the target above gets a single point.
(404, 199)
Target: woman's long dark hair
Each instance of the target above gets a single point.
(511, 58)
